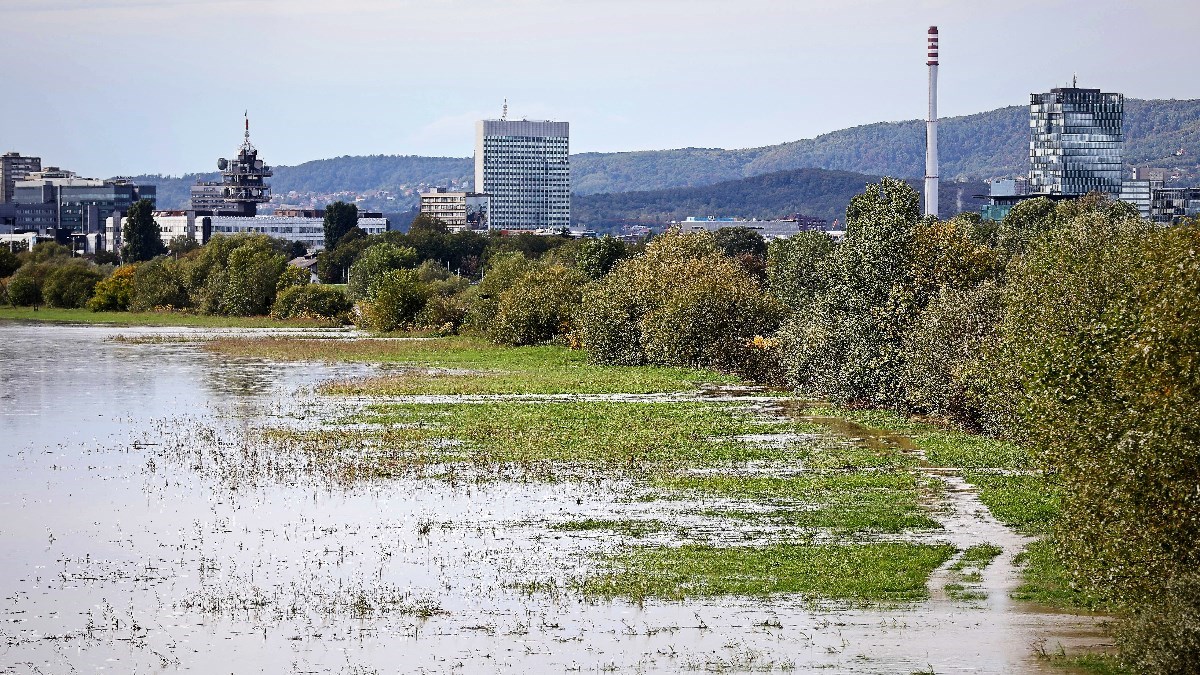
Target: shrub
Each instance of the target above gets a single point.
(115, 293)
(796, 267)
(23, 291)
(311, 301)
(293, 276)
(538, 306)
(158, 284)
(252, 279)
(596, 257)
(9, 262)
(682, 302)
(374, 262)
(502, 272)
(395, 298)
(70, 286)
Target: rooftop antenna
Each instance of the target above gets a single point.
(504, 112)
(1074, 80)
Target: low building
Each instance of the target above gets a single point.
(458, 210)
(769, 229)
(306, 229)
(1139, 189)
(1171, 205)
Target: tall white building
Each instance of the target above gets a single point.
(525, 168)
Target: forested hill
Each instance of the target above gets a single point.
(984, 145)
(813, 192)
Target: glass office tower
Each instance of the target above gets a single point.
(1075, 142)
(525, 167)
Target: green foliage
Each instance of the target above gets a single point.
(114, 293)
(539, 306)
(735, 241)
(251, 279)
(340, 218)
(47, 251)
(70, 285)
(141, 237)
(293, 276)
(680, 303)
(311, 301)
(597, 257)
(158, 284)
(375, 261)
(394, 298)
(24, 291)
(182, 245)
(1103, 328)
(9, 262)
(796, 268)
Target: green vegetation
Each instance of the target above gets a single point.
(628, 528)
(1046, 581)
(842, 502)
(861, 573)
(629, 436)
(471, 366)
(140, 235)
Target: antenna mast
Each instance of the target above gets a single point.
(504, 111)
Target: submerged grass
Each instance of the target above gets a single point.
(1025, 502)
(1046, 581)
(474, 366)
(843, 502)
(860, 573)
(626, 434)
(627, 527)
(55, 315)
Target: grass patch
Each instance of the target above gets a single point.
(1046, 581)
(1095, 664)
(861, 573)
(967, 451)
(628, 528)
(978, 557)
(54, 315)
(1026, 502)
(483, 368)
(626, 436)
(845, 502)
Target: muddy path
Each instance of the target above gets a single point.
(118, 557)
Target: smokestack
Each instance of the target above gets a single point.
(931, 154)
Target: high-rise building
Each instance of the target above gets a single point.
(15, 167)
(524, 166)
(1075, 142)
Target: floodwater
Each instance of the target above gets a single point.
(120, 553)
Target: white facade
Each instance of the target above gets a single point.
(525, 167)
(458, 210)
(306, 230)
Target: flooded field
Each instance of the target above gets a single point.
(165, 508)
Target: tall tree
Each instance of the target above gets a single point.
(143, 240)
(340, 218)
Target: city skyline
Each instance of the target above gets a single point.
(118, 87)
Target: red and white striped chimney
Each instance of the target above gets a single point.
(931, 154)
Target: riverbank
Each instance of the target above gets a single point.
(276, 498)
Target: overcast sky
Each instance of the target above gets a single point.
(108, 87)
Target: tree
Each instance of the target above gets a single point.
(340, 218)
(70, 286)
(735, 241)
(596, 257)
(115, 293)
(373, 262)
(143, 239)
(9, 263)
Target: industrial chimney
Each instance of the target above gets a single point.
(931, 154)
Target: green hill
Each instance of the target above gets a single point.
(983, 145)
(813, 192)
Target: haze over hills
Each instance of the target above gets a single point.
(984, 145)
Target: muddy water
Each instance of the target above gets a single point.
(116, 558)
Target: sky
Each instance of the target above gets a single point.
(123, 87)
